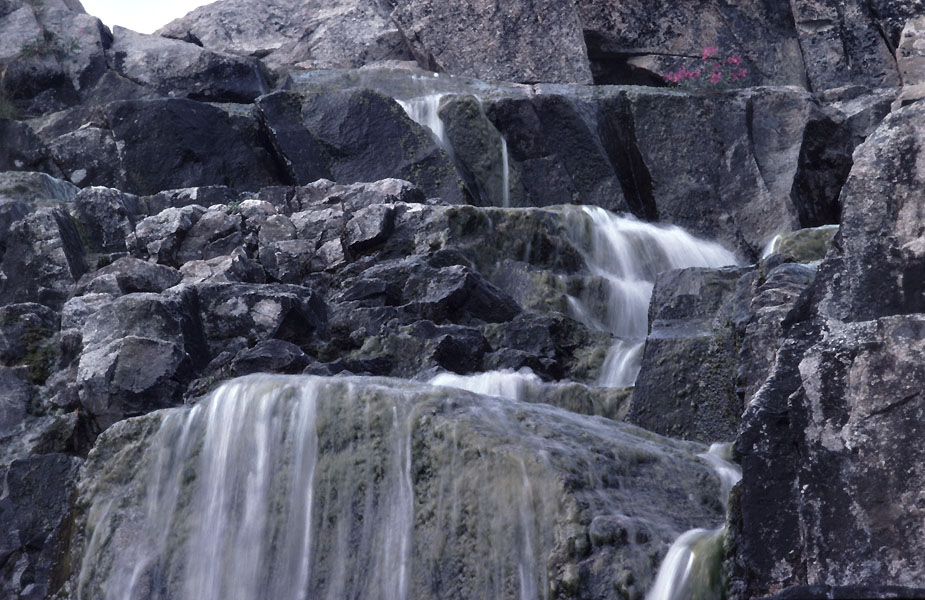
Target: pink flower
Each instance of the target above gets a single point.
(743, 73)
(709, 52)
(734, 59)
(716, 77)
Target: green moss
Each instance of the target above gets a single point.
(7, 109)
(49, 43)
(41, 354)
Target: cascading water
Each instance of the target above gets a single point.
(627, 255)
(288, 488)
(690, 570)
(425, 111)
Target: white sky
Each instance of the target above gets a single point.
(141, 15)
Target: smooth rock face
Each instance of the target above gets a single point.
(843, 398)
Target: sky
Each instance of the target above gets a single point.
(141, 15)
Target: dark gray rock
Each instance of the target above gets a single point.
(238, 313)
(15, 398)
(193, 131)
(521, 41)
(34, 187)
(44, 258)
(217, 232)
(35, 509)
(22, 150)
(366, 136)
(687, 384)
(105, 218)
(286, 33)
(27, 340)
(89, 155)
(160, 237)
(236, 267)
(829, 444)
(270, 356)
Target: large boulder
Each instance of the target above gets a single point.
(177, 68)
(356, 136)
(519, 41)
(686, 386)
(52, 52)
(192, 132)
(139, 353)
(44, 258)
(829, 445)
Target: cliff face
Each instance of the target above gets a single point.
(366, 192)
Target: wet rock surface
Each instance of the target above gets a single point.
(383, 189)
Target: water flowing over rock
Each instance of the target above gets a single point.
(281, 488)
(486, 243)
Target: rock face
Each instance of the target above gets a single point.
(843, 398)
(339, 189)
(393, 482)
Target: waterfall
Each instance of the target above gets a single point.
(298, 487)
(425, 111)
(228, 507)
(505, 175)
(690, 570)
(627, 255)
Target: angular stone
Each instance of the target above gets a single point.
(259, 312)
(105, 217)
(193, 131)
(686, 385)
(286, 33)
(160, 237)
(22, 150)
(217, 232)
(128, 276)
(89, 156)
(179, 68)
(43, 260)
(521, 41)
(35, 512)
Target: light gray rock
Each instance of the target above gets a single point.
(160, 237)
(286, 33)
(179, 68)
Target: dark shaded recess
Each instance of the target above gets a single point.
(617, 130)
(822, 169)
(610, 66)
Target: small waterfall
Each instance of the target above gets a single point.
(627, 255)
(425, 111)
(505, 175)
(228, 510)
(690, 570)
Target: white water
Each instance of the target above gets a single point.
(505, 383)
(505, 175)
(689, 570)
(627, 255)
(425, 111)
(228, 508)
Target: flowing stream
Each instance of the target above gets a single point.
(626, 255)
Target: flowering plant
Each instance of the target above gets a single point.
(714, 69)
